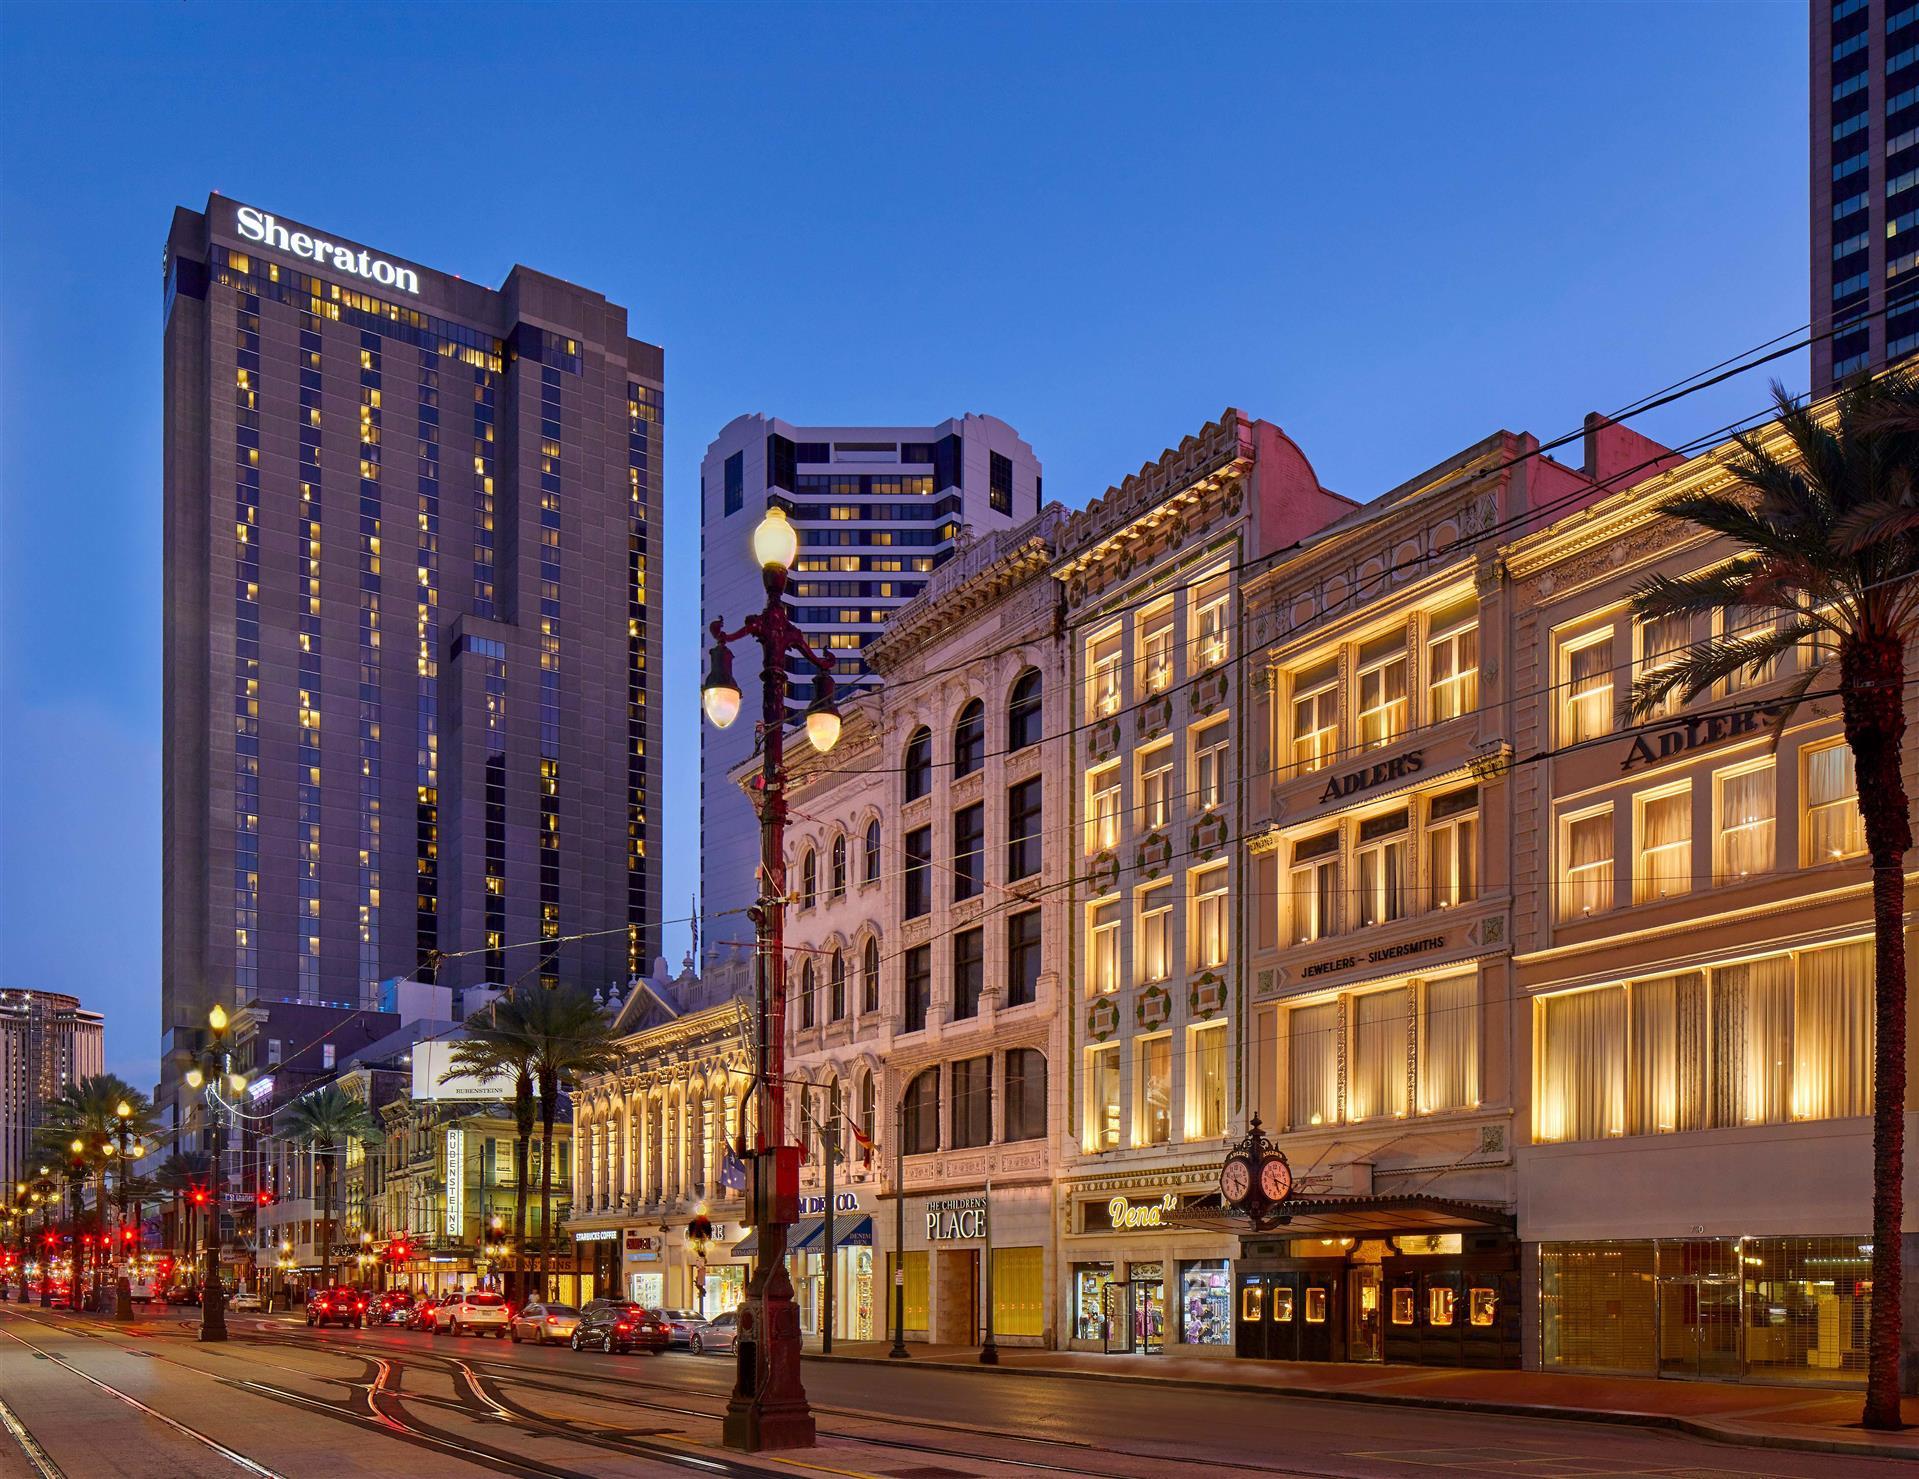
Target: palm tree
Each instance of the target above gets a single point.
(325, 1120)
(496, 1047)
(571, 1037)
(88, 1109)
(1828, 537)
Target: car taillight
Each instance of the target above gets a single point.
(552, 1319)
(361, 1305)
(622, 1326)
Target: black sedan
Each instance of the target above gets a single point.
(612, 1325)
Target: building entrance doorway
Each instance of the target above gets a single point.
(1365, 1331)
(1699, 1289)
(956, 1312)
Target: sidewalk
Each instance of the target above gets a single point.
(1808, 1418)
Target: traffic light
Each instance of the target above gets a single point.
(263, 1197)
(198, 1196)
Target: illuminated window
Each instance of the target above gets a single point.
(1153, 1096)
(1312, 1035)
(1209, 764)
(1103, 697)
(1664, 869)
(1744, 804)
(1452, 847)
(1439, 1304)
(1452, 662)
(1155, 628)
(1482, 1305)
(1313, 887)
(1403, 1305)
(1747, 624)
(1382, 691)
(1102, 928)
(1379, 865)
(1586, 678)
(1282, 1304)
(1376, 1047)
(1316, 718)
(1209, 923)
(1156, 932)
(1586, 864)
(1663, 640)
(1206, 1081)
(1316, 1305)
(1210, 611)
(1155, 785)
(1833, 827)
(1251, 1303)
(1102, 1098)
(1102, 808)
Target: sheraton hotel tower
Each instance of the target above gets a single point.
(412, 638)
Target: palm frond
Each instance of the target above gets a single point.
(1699, 667)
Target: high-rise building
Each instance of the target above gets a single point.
(412, 631)
(1865, 185)
(877, 508)
(47, 1041)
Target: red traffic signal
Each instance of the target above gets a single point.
(263, 1197)
(198, 1196)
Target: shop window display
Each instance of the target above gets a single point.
(1403, 1306)
(1482, 1306)
(1439, 1305)
(1282, 1304)
(1205, 1303)
(725, 1289)
(1090, 1282)
(1316, 1306)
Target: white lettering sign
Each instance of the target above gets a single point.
(257, 226)
(956, 1217)
(843, 1201)
(455, 1184)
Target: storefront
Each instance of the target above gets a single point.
(942, 1270)
(1415, 1279)
(1139, 1281)
(596, 1254)
(856, 1315)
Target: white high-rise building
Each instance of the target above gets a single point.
(878, 508)
(47, 1041)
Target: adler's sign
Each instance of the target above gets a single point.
(263, 228)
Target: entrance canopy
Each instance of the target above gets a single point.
(856, 1232)
(1349, 1217)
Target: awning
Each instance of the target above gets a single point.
(805, 1231)
(856, 1233)
(1354, 1217)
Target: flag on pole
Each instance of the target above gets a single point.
(732, 1171)
(865, 1142)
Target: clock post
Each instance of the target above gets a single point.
(1256, 1178)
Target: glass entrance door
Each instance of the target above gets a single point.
(1699, 1302)
(1365, 1339)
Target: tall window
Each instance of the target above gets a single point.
(1662, 641)
(999, 482)
(919, 866)
(1103, 697)
(1155, 953)
(873, 851)
(1452, 847)
(969, 970)
(1155, 768)
(1206, 1081)
(1380, 868)
(969, 739)
(1743, 801)
(1022, 957)
(1153, 1090)
(1582, 1065)
(870, 976)
(1664, 869)
(1748, 624)
(1316, 718)
(1833, 827)
(919, 986)
(1586, 709)
(868, 1110)
(835, 986)
(1382, 691)
(1023, 716)
(1102, 808)
(969, 851)
(1312, 1065)
(1209, 764)
(1452, 662)
(919, 764)
(1376, 1072)
(1449, 1044)
(1210, 929)
(1585, 850)
(1102, 1097)
(1156, 649)
(837, 873)
(972, 1103)
(1313, 887)
(921, 1111)
(1025, 823)
(1102, 955)
(809, 988)
(809, 879)
(1211, 646)
(1025, 1098)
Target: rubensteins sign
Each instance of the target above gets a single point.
(260, 227)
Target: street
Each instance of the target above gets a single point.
(81, 1397)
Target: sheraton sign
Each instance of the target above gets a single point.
(258, 226)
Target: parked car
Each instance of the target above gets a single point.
(339, 1305)
(471, 1311)
(245, 1299)
(392, 1307)
(543, 1323)
(717, 1334)
(683, 1323)
(420, 1316)
(613, 1325)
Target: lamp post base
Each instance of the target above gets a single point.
(122, 1299)
(768, 1410)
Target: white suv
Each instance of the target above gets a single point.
(471, 1310)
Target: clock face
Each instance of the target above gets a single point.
(1276, 1179)
(1235, 1180)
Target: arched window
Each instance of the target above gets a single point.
(1023, 712)
(835, 986)
(922, 1113)
(809, 879)
(969, 739)
(868, 1106)
(873, 851)
(838, 872)
(870, 977)
(919, 764)
(1024, 1101)
(806, 995)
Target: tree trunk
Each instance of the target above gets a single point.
(326, 1222)
(1874, 702)
(523, 1124)
(548, 1110)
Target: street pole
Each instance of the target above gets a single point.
(831, 1141)
(989, 1351)
(898, 1353)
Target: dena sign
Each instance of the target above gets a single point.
(256, 226)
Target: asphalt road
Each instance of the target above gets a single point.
(80, 1397)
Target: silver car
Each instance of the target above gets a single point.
(716, 1334)
(683, 1323)
(544, 1323)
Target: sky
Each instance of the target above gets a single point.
(1390, 229)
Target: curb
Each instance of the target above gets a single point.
(1694, 1427)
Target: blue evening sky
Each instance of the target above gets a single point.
(1390, 229)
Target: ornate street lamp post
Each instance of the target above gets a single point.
(768, 1407)
(211, 1069)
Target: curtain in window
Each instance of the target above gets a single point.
(1746, 810)
(1449, 1066)
(1209, 1083)
(1582, 1079)
(1752, 1042)
(1376, 1067)
(1665, 846)
(1833, 824)
(1833, 1032)
(1589, 691)
(1313, 1065)
(1155, 1111)
(1667, 1072)
(1589, 865)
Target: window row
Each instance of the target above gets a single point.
(1208, 626)
(1156, 800)
(1763, 1042)
(1387, 672)
(824, 993)
(1023, 727)
(1208, 930)
(1363, 871)
(969, 1103)
(1025, 828)
(1146, 1115)
(1742, 823)
(967, 981)
(808, 892)
(1407, 1049)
